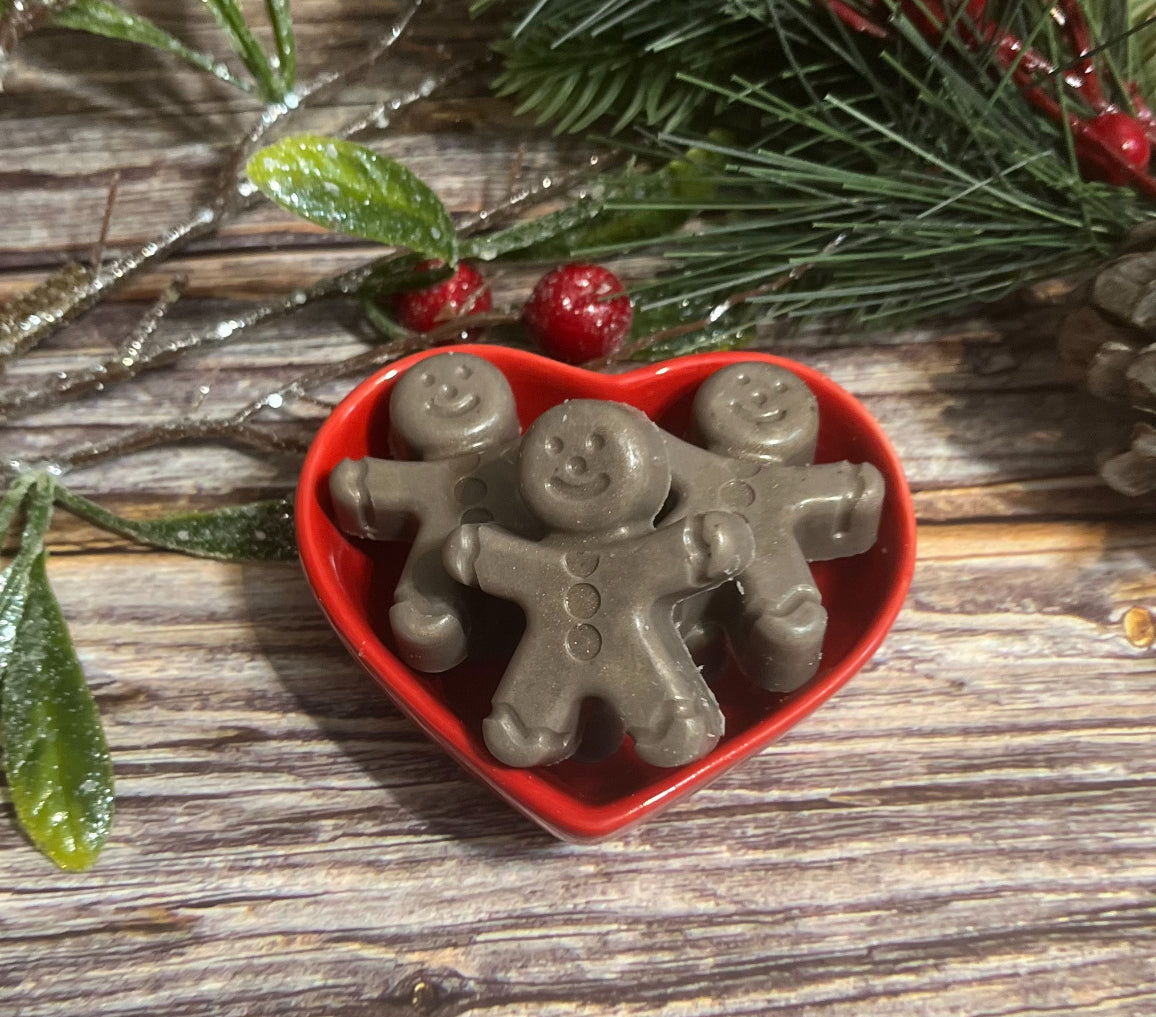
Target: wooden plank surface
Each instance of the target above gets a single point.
(965, 830)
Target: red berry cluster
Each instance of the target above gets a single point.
(577, 312)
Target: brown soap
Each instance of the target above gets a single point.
(759, 424)
(599, 590)
(456, 413)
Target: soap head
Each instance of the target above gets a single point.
(588, 466)
(758, 411)
(451, 404)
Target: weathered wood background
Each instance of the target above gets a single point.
(969, 828)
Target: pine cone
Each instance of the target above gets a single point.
(1126, 289)
(1134, 472)
(1111, 348)
(1097, 352)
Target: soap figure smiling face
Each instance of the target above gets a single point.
(454, 412)
(452, 404)
(758, 411)
(590, 467)
(599, 590)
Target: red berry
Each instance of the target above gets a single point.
(574, 316)
(1108, 139)
(465, 292)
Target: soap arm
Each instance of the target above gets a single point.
(381, 498)
(489, 557)
(696, 553)
(837, 507)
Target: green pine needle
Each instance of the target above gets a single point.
(884, 181)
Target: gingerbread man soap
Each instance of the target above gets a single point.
(589, 797)
(759, 423)
(599, 590)
(454, 412)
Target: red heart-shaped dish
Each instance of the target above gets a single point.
(353, 580)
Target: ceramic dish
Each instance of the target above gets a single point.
(353, 581)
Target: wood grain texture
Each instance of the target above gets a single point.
(966, 830)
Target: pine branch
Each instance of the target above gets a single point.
(907, 168)
(632, 78)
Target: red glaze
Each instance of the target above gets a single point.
(465, 292)
(588, 801)
(570, 317)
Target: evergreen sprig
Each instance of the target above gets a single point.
(885, 178)
(634, 75)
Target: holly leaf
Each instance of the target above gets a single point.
(259, 531)
(55, 755)
(351, 189)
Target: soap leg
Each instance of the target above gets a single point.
(695, 618)
(535, 713)
(428, 617)
(668, 709)
(779, 638)
(600, 732)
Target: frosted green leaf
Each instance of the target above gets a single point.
(55, 756)
(259, 531)
(351, 189)
(532, 235)
(11, 502)
(627, 210)
(36, 496)
(395, 275)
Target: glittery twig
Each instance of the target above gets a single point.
(27, 318)
(126, 363)
(33, 324)
(96, 376)
(237, 427)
